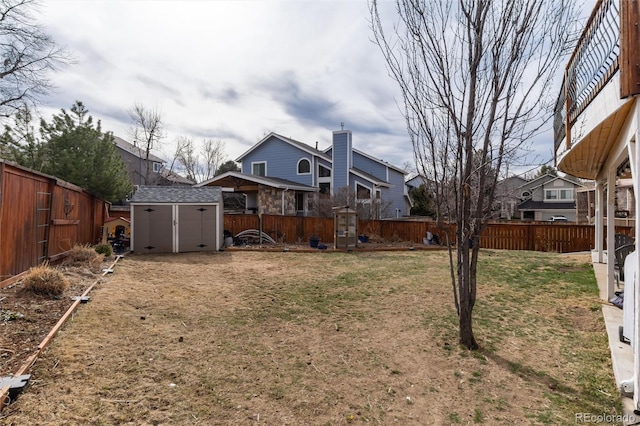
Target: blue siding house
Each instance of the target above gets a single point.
(280, 175)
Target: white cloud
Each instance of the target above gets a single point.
(230, 70)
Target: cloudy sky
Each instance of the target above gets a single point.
(232, 71)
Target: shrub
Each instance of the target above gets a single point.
(104, 249)
(82, 254)
(45, 280)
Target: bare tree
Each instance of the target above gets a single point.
(199, 165)
(476, 78)
(147, 132)
(27, 55)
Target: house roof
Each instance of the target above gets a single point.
(300, 145)
(132, 149)
(371, 178)
(111, 219)
(177, 194)
(575, 184)
(541, 205)
(174, 177)
(237, 179)
(313, 151)
(398, 169)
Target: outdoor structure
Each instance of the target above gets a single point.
(281, 175)
(266, 194)
(42, 217)
(346, 228)
(596, 132)
(117, 232)
(116, 227)
(548, 196)
(167, 219)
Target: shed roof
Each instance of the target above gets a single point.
(175, 194)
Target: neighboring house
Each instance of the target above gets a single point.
(280, 175)
(135, 159)
(508, 196)
(548, 196)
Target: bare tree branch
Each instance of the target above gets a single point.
(476, 79)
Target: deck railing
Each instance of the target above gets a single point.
(593, 62)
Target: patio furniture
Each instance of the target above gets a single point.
(621, 254)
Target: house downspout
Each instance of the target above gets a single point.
(636, 304)
(599, 221)
(611, 230)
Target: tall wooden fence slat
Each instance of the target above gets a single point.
(536, 236)
(42, 217)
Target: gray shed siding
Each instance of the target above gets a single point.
(197, 228)
(150, 231)
(176, 219)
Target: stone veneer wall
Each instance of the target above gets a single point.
(270, 201)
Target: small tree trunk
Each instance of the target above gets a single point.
(466, 329)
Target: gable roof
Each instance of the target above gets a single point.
(177, 194)
(300, 145)
(174, 177)
(546, 182)
(132, 149)
(391, 166)
(371, 178)
(236, 179)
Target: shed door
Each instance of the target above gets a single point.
(196, 228)
(153, 229)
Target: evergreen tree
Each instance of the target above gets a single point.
(78, 152)
(546, 169)
(228, 166)
(20, 143)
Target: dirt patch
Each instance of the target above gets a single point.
(299, 338)
(26, 318)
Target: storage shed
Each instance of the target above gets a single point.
(166, 219)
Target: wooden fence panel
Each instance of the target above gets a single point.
(537, 236)
(41, 217)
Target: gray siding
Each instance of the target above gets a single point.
(395, 194)
(372, 167)
(282, 160)
(341, 153)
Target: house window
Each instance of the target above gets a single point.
(300, 201)
(566, 194)
(362, 192)
(157, 167)
(325, 188)
(324, 172)
(558, 194)
(259, 169)
(304, 167)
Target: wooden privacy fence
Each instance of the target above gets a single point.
(536, 236)
(42, 217)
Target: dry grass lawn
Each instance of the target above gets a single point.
(242, 338)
